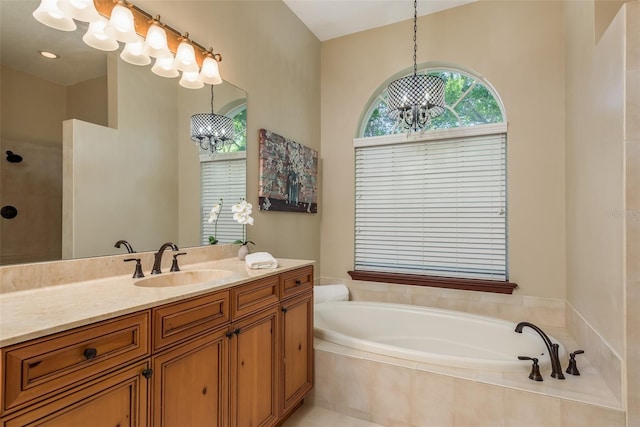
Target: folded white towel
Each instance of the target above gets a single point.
(261, 260)
(324, 293)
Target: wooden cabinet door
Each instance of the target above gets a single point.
(119, 399)
(254, 370)
(190, 387)
(297, 348)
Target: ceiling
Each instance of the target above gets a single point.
(21, 36)
(328, 19)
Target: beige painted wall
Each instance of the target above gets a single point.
(632, 205)
(595, 171)
(123, 183)
(503, 42)
(87, 101)
(269, 53)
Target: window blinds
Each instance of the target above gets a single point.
(222, 178)
(433, 207)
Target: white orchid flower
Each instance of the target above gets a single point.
(215, 211)
(242, 215)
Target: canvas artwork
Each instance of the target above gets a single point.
(288, 175)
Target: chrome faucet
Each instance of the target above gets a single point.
(552, 348)
(157, 262)
(126, 245)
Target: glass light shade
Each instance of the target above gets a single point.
(185, 58)
(82, 10)
(96, 38)
(190, 80)
(49, 14)
(155, 45)
(210, 72)
(163, 67)
(121, 26)
(132, 53)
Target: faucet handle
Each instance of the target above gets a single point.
(573, 367)
(174, 264)
(138, 272)
(535, 368)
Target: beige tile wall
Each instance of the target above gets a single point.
(37, 275)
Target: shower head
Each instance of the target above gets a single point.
(13, 158)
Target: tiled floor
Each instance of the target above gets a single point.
(314, 416)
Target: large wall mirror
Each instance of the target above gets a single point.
(105, 150)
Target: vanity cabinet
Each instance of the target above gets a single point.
(190, 362)
(117, 399)
(254, 370)
(237, 357)
(66, 377)
(296, 337)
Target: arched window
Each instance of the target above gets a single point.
(468, 102)
(432, 205)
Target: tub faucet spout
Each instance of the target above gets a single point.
(552, 348)
(158, 257)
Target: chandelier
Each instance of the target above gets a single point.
(415, 99)
(212, 132)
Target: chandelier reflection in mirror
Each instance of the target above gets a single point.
(144, 38)
(415, 99)
(212, 132)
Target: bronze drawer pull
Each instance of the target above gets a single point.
(90, 353)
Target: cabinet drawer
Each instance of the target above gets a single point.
(297, 281)
(254, 296)
(36, 368)
(176, 322)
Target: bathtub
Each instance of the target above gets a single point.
(430, 335)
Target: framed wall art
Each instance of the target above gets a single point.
(288, 175)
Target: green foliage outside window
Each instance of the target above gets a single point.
(239, 143)
(467, 101)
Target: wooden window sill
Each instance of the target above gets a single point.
(435, 281)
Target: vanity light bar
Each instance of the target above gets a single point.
(143, 20)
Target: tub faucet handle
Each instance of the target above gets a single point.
(535, 368)
(573, 367)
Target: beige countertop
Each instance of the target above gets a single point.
(34, 313)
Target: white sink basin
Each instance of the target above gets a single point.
(182, 278)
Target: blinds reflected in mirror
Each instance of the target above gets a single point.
(223, 176)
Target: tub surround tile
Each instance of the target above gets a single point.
(389, 403)
(353, 387)
(514, 308)
(526, 409)
(600, 355)
(579, 414)
(440, 399)
(477, 404)
(430, 398)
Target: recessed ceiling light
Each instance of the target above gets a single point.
(48, 54)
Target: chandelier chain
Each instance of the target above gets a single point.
(211, 99)
(415, 39)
